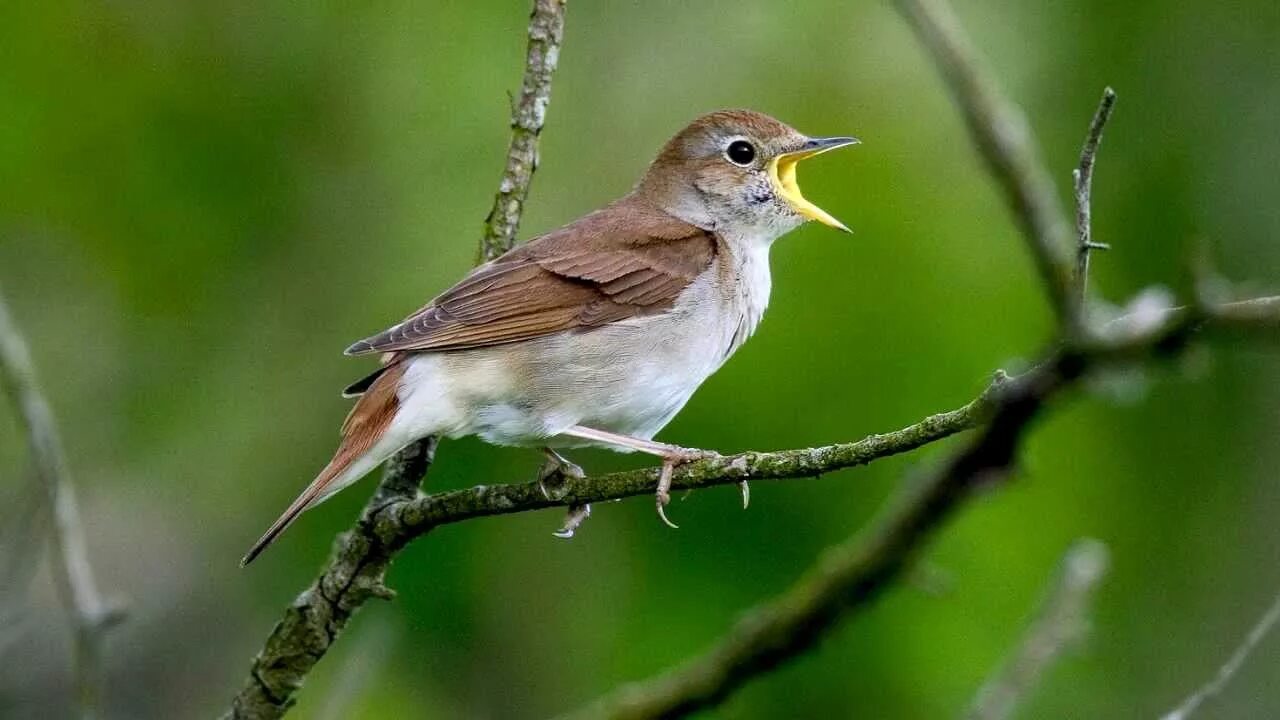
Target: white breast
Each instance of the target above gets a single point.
(753, 286)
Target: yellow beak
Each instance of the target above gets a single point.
(782, 171)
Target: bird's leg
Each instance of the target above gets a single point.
(556, 469)
(672, 456)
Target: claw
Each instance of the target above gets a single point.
(663, 515)
(679, 456)
(746, 493)
(663, 495)
(572, 520)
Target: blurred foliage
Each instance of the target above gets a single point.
(203, 203)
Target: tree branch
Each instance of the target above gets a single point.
(1082, 180)
(88, 613)
(851, 575)
(356, 569)
(1060, 622)
(999, 129)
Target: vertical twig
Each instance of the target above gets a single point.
(528, 115)
(1082, 180)
(1230, 667)
(354, 572)
(1000, 130)
(1060, 622)
(89, 614)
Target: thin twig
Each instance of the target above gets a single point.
(851, 575)
(1082, 179)
(528, 115)
(999, 129)
(88, 612)
(1233, 664)
(1060, 622)
(355, 571)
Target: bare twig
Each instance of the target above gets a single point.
(1060, 622)
(1000, 130)
(849, 576)
(1230, 667)
(89, 614)
(528, 115)
(355, 571)
(1082, 180)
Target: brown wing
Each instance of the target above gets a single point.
(614, 264)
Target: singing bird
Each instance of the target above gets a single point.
(598, 333)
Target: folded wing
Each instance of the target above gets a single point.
(614, 264)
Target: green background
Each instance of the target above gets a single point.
(201, 204)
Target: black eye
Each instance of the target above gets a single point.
(741, 152)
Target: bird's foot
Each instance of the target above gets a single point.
(671, 459)
(553, 474)
(555, 470)
(576, 515)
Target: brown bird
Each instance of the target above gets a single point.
(597, 333)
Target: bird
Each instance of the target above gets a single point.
(599, 332)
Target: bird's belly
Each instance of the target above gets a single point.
(642, 395)
(630, 377)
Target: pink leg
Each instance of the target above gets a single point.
(672, 456)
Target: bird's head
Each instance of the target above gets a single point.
(734, 171)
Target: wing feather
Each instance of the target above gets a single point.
(614, 264)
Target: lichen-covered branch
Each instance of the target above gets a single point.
(411, 518)
(1000, 130)
(1060, 622)
(87, 611)
(849, 576)
(528, 115)
(355, 570)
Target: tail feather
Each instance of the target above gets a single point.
(309, 498)
(365, 444)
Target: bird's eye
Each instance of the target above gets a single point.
(740, 152)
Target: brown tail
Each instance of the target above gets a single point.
(364, 426)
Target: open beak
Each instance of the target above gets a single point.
(782, 170)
